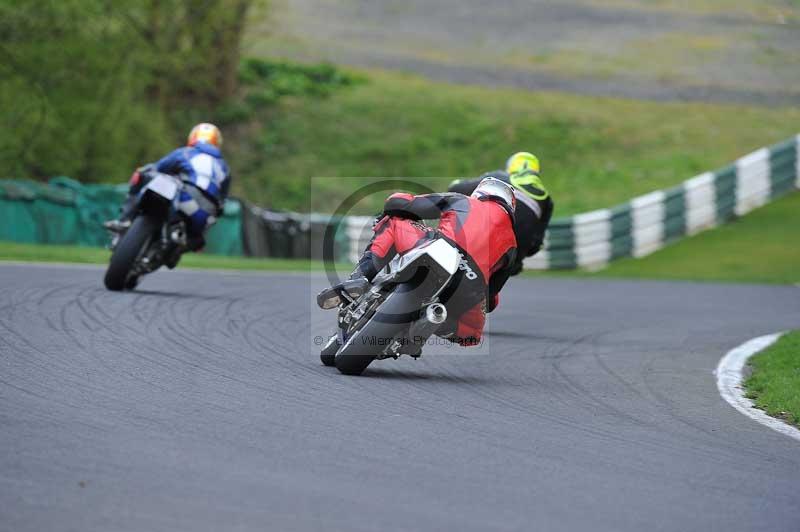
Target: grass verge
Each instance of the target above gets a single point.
(595, 152)
(89, 255)
(759, 248)
(775, 382)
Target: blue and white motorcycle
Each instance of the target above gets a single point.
(156, 236)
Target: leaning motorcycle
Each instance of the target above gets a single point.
(156, 236)
(396, 313)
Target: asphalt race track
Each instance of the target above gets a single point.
(198, 403)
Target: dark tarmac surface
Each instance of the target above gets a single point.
(199, 403)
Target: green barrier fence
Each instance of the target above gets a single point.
(65, 211)
(68, 212)
(291, 235)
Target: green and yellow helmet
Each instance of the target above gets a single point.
(523, 173)
(522, 163)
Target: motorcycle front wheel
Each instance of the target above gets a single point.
(129, 248)
(391, 319)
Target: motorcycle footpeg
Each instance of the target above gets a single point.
(412, 349)
(348, 290)
(117, 226)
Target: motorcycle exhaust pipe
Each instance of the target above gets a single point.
(177, 236)
(436, 313)
(423, 328)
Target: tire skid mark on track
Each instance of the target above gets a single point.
(93, 309)
(617, 377)
(46, 297)
(46, 391)
(706, 443)
(655, 441)
(711, 449)
(211, 390)
(582, 394)
(139, 309)
(16, 298)
(585, 398)
(717, 447)
(172, 332)
(400, 400)
(95, 323)
(58, 367)
(653, 397)
(253, 335)
(75, 310)
(510, 403)
(522, 414)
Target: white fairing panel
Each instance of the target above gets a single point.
(439, 250)
(164, 186)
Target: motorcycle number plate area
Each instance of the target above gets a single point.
(164, 186)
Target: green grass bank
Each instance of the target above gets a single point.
(596, 152)
(774, 384)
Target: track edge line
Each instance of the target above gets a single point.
(729, 383)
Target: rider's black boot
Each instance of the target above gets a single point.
(126, 212)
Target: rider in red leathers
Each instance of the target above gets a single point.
(480, 226)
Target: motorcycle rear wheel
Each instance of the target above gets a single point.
(135, 240)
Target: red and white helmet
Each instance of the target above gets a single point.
(207, 133)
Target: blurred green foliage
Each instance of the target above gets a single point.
(91, 88)
(94, 88)
(268, 81)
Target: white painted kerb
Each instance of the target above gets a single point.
(729, 383)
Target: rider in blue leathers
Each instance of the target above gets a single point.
(206, 179)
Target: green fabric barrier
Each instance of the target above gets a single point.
(17, 222)
(35, 213)
(66, 211)
(225, 237)
(92, 205)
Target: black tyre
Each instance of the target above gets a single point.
(132, 282)
(328, 354)
(133, 243)
(390, 320)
